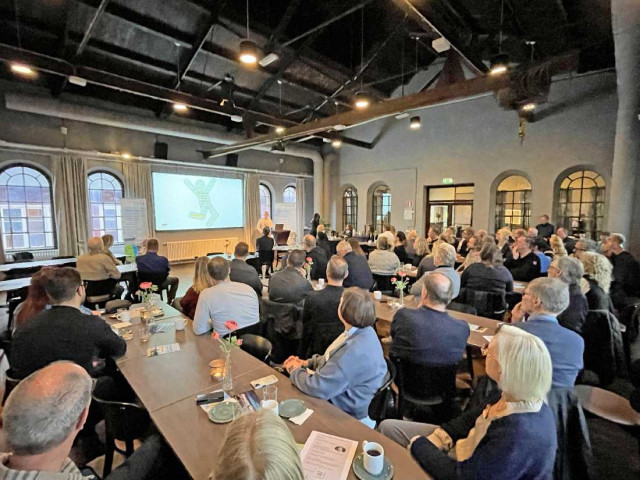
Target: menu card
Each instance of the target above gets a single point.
(327, 457)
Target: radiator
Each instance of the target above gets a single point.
(190, 249)
(38, 254)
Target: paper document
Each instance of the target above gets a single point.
(488, 338)
(162, 349)
(327, 457)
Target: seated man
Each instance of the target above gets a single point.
(243, 272)
(569, 242)
(444, 259)
(153, 265)
(320, 322)
(429, 335)
(97, 265)
(626, 272)
(543, 300)
(318, 256)
(523, 264)
(290, 285)
(42, 417)
(63, 332)
(382, 261)
(463, 247)
(545, 229)
(359, 273)
(225, 301)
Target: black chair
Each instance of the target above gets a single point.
(112, 306)
(257, 346)
(421, 385)
(23, 256)
(384, 283)
(9, 384)
(99, 292)
(176, 304)
(487, 304)
(383, 403)
(462, 308)
(155, 278)
(282, 326)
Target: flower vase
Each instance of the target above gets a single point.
(227, 380)
(402, 296)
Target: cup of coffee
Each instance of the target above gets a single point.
(377, 295)
(373, 458)
(124, 315)
(321, 282)
(179, 323)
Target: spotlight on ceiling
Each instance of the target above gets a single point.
(528, 107)
(22, 69)
(236, 118)
(126, 156)
(79, 81)
(361, 101)
(415, 123)
(499, 64)
(279, 129)
(336, 142)
(248, 52)
(278, 146)
(180, 107)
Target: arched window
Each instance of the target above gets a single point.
(26, 209)
(289, 194)
(265, 200)
(350, 207)
(513, 203)
(105, 193)
(581, 203)
(381, 208)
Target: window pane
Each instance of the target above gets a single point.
(586, 194)
(105, 193)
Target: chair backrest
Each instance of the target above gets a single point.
(420, 381)
(98, 288)
(156, 278)
(603, 346)
(383, 282)
(487, 304)
(22, 256)
(214, 253)
(286, 317)
(176, 304)
(461, 307)
(256, 346)
(382, 401)
(124, 421)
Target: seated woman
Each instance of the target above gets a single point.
(353, 367)
(201, 280)
(348, 231)
(512, 439)
(597, 274)
(504, 240)
(258, 446)
(355, 246)
(108, 243)
(381, 260)
(570, 271)
(557, 247)
(488, 275)
(474, 245)
(400, 248)
(421, 248)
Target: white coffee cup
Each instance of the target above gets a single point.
(377, 295)
(179, 323)
(373, 458)
(124, 315)
(321, 282)
(408, 266)
(270, 405)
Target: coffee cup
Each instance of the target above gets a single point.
(124, 315)
(179, 323)
(373, 458)
(321, 282)
(377, 295)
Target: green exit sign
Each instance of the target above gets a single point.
(447, 181)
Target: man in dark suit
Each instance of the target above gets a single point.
(321, 325)
(463, 246)
(242, 272)
(545, 229)
(290, 285)
(156, 265)
(359, 273)
(429, 335)
(63, 332)
(318, 257)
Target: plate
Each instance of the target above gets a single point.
(362, 474)
(157, 312)
(291, 408)
(224, 412)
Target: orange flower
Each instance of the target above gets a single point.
(145, 285)
(393, 279)
(231, 325)
(215, 335)
(309, 259)
(402, 274)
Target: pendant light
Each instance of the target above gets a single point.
(248, 50)
(361, 100)
(415, 123)
(500, 62)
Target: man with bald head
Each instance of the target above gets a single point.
(318, 257)
(359, 272)
(429, 335)
(96, 265)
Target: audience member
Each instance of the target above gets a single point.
(584, 245)
(514, 438)
(258, 446)
(569, 242)
(463, 247)
(226, 300)
(519, 232)
(108, 240)
(201, 281)
(356, 248)
(450, 233)
(412, 236)
(348, 231)
(290, 285)
(153, 264)
(358, 273)
(292, 240)
(523, 264)
(470, 243)
(428, 335)
(264, 246)
(427, 264)
(487, 275)
(388, 234)
(322, 241)
(570, 271)
(241, 271)
(543, 300)
(444, 259)
(400, 248)
(626, 272)
(381, 260)
(36, 301)
(481, 235)
(475, 245)
(320, 322)
(604, 235)
(433, 235)
(63, 332)
(532, 232)
(353, 367)
(421, 248)
(598, 272)
(314, 224)
(545, 229)
(264, 222)
(557, 247)
(96, 265)
(503, 240)
(539, 248)
(317, 255)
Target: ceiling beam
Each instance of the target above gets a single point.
(292, 8)
(475, 86)
(92, 24)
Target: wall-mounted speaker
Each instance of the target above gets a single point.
(161, 150)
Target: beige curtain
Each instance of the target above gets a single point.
(137, 184)
(251, 207)
(70, 196)
(300, 195)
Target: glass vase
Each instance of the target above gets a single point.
(402, 296)
(227, 380)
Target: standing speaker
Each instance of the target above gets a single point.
(160, 150)
(231, 160)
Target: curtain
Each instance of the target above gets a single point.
(70, 196)
(251, 207)
(137, 184)
(300, 196)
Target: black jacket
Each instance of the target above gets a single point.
(401, 253)
(575, 315)
(288, 286)
(545, 230)
(242, 272)
(603, 347)
(319, 267)
(597, 298)
(63, 333)
(320, 322)
(524, 269)
(359, 272)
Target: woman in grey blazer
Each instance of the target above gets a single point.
(353, 368)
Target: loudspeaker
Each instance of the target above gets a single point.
(231, 160)
(161, 150)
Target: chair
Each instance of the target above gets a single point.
(384, 283)
(176, 304)
(9, 384)
(23, 256)
(487, 304)
(256, 346)
(384, 399)
(422, 385)
(63, 257)
(156, 278)
(112, 306)
(99, 292)
(282, 325)
(214, 253)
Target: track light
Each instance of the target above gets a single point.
(415, 123)
(528, 107)
(22, 69)
(279, 129)
(248, 52)
(126, 156)
(336, 142)
(361, 101)
(180, 107)
(499, 64)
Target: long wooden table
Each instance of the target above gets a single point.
(7, 267)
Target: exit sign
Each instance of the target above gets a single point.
(447, 181)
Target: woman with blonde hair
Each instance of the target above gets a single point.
(108, 243)
(258, 446)
(557, 247)
(597, 275)
(201, 280)
(503, 240)
(421, 247)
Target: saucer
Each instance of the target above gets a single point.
(291, 408)
(224, 412)
(362, 474)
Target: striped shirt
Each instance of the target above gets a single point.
(69, 471)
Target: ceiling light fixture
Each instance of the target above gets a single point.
(126, 156)
(528, 107)
(22, 69)
(500, 62)
(248, 49)
(361, 101)
(180, 107)
(236, 118)
(79, 81)
(415, 123)
(336, 142)
(279, 130)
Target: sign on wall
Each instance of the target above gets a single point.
(134, 220)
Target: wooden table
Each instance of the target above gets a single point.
(7, 267)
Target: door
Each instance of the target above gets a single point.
(449, 206)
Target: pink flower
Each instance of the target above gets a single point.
(309, 259)
(231, 325)
(145, 285)
(402, 274)
(393, 279)
(239, 342)
(215, 336)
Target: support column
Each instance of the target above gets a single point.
(329, 163)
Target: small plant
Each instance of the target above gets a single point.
(231, 342)
(400, 284)
(307, 266)
(146, 290)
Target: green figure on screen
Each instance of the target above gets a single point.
(202, 191)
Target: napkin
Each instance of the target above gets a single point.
(300, 419)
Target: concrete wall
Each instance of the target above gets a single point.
(475, 141)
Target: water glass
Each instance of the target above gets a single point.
(145, 332)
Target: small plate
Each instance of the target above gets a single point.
(362, 474)
(157, 312)
(291, 408)
(224, 412)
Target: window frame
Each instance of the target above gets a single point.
(501, 218)
(378, 204)
(90, 203)
(287, 189)
(350, 218)
(266, 187)
(564, 219)
(54, 231)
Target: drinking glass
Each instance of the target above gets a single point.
(145, 332)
